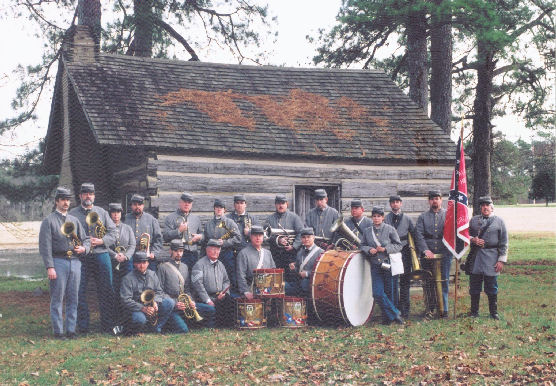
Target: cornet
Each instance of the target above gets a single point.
(145, 243)
(185, 239)
(96, 226)
(119, 249)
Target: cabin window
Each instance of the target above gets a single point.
(304, 198)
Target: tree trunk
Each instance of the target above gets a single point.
(482, 128)
(416, 31)
(143, 40)
(441, 70)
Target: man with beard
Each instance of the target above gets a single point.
(60, 253)
(253, 256)
(97, 263)
(175, 280)
(321, 217)
(403, 225)
(282, 251)
(121, 252)
(155, 315)
(429, 232)
(226, 231)
(184, 225)
(490, 243)
(142, 222)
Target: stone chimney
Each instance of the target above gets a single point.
(82, 41)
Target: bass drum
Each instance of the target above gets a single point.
(341, 288)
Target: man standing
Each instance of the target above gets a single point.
(403, 225)
(142, 222)
(253, 256)
(98, 263)
(490, 246)
(157, 311)
(243, 219)
(121, 252)
(429, 232)
(321, 217)
(224, 229)
(211, 284)
(304, 264)
(60, 247)
(184, 225)
(357, 222)
(283, 252)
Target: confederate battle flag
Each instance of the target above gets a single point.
(456, 227)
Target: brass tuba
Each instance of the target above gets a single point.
(68, 230)
(147, 298)
(349, 241)
(189, 312)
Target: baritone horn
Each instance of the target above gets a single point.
(230, 232)
(277, 233)
(349, 240)
(417, 273)
(68, 230)
(147, 298)
(189, 312)
(94, 222)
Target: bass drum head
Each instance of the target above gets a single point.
(357, 291)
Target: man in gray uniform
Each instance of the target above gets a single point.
(138, 315)
(304, 264)
(321, 217)
(429, 232)
(489, 240)
(403, 225)
(97, 264)
(253, 256)
(142, 222)
(224, 229)
(243, 220)
(121, 252)
(282, 252)
(357, 222)
(184, 225)
(174, 280)
(60, 253)
(211, 284)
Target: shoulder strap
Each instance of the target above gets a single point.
(180, 276)
(484, 229)
(308, 257)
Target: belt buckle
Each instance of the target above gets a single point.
(69, 254)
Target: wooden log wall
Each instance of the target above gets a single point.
(260, 180)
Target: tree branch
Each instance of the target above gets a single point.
(172, 32)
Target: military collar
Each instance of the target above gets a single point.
(60, 213)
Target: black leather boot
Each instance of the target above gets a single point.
(493, 306)
(474, 312)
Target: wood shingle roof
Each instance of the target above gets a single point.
(356, 115)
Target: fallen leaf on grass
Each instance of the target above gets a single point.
(276, 378)
(35, 374)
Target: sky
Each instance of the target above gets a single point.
(296, 20)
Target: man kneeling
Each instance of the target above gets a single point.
(143, 299)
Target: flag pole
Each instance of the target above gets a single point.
(456, 278)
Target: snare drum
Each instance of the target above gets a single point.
(293, 312)
(250, 313)
(268, 282)
(342, 289)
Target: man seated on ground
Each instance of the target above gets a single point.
(157, 310)
(174, 280)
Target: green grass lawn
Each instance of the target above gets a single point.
(519, 348)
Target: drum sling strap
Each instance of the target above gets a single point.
(308, 257)
(261, 259)
(356, 225)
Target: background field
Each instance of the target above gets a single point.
(519, 348)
